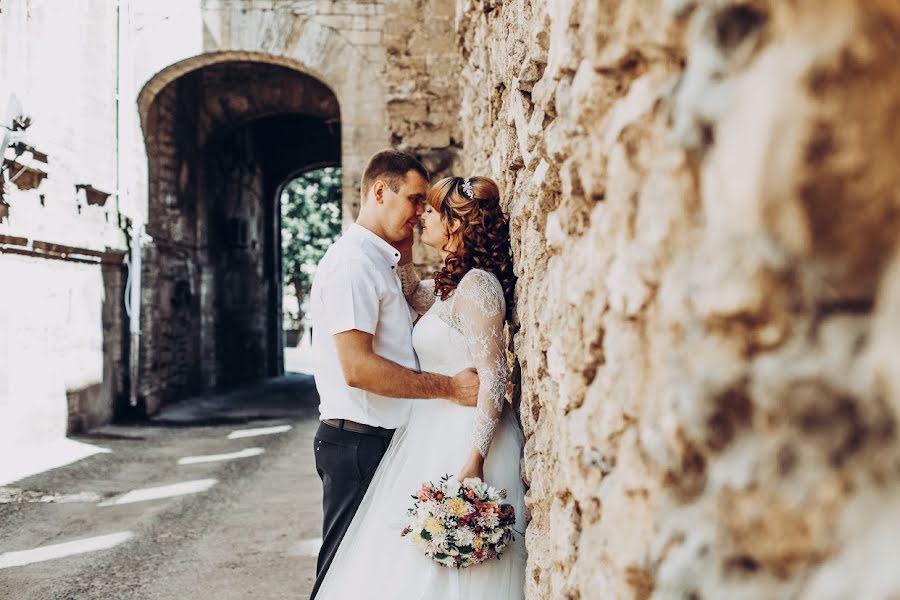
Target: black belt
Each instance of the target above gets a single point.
(345, 425)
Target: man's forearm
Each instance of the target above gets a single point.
(386, 378)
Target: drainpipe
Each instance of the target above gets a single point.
(125, 127)
(134, 275)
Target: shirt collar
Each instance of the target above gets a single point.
(391, 254)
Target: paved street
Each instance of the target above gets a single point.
(216, 498)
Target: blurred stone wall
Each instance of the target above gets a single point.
(704, 199)
(422, 91)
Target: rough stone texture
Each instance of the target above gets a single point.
(422, 90)
(702, 213)
(422, 86)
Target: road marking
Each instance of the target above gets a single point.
(44, 553)
(245, 433)
(307, 547)
(193, 460)
(165, 491)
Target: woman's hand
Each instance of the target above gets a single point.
(404, 247)
(474, 467)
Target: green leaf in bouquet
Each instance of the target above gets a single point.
(425, 535)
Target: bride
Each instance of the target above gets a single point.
(463, 310)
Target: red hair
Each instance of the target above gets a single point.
(482, 238)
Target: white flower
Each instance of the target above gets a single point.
(479, 487)
(463, 537)
(452, 487)
(441, 511)
(489, 520)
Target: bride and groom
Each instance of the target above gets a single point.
(412, 378)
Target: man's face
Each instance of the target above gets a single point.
(401, 209)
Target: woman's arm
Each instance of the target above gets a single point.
(419, 294)
(479, 311)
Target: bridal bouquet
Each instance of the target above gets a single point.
(460, 524)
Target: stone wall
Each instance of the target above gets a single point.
(704, 203)
(422, 91)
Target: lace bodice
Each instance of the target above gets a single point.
(476, 310)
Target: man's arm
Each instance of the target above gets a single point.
(368, 371)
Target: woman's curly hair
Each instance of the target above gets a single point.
(482, 238)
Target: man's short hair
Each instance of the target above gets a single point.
(391, 166)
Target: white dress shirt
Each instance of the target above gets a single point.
(356, 286)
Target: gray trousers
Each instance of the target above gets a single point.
(346, 462)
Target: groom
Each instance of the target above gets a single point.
(365, 362)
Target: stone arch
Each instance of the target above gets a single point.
(362, 109)
(221, 138)
(280, 37)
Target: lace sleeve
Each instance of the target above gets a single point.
(478, 314)
(419, 294)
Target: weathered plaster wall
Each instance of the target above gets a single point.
(62, 358)
(704, 203)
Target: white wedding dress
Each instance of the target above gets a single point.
(374, 561)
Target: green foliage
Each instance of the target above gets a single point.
(310, 223)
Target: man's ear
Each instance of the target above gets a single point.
(378, 191)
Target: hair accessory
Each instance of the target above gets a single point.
(467, 189)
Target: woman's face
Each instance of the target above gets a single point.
(434, 230)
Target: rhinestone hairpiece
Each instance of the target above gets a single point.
(467, 189)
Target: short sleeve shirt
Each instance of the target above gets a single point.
(356, 286)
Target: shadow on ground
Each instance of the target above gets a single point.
(292, 396)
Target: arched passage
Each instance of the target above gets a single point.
(221, 139)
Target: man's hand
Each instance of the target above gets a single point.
(364, 369)
(465, 387)
(404, 247)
